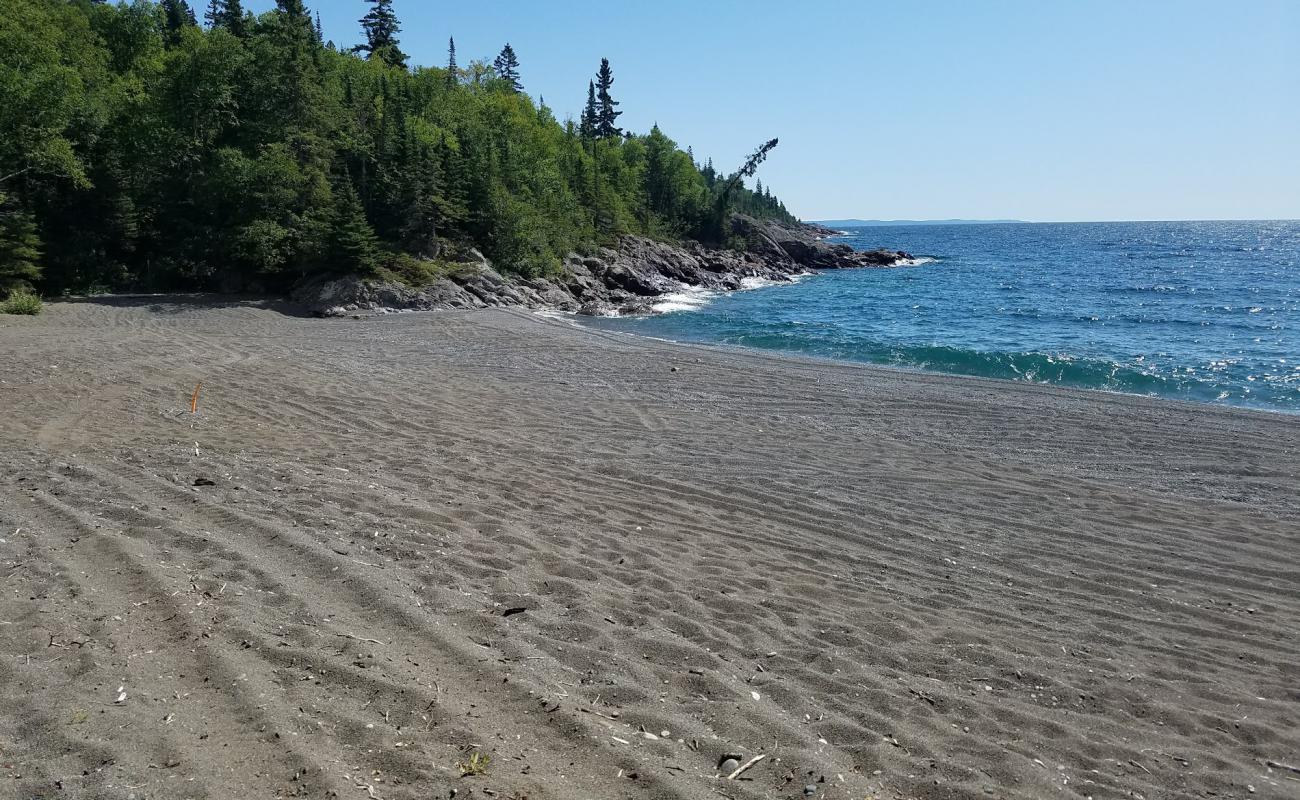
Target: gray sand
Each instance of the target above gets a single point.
(432, 535)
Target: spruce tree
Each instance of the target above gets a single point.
(606, 115)
(381, 27)
(353, 246)
(299, 68)
(453, 71)
(20, 250)
(177, 15)
(320, 33)
(587, 127)
(228, 14)
(507, 68)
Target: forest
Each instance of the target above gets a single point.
(156, 146)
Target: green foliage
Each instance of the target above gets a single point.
(606, 111)
(228, 14)
(353, 246)
(507, 68)
(453, 71)
(20, 249)
(476, 765)
(22, 302)
(140, 151)
(381, 29)
(590, 113)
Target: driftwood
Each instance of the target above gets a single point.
(746, 766)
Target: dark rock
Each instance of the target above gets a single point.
(204, 482)
(622, 280)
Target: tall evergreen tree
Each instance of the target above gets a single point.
(507, 68)
(20, 249)
(381, 27)
(177, 15)
(298, 81)
(606, 114)
(352, 243)
(587, 127)
(320, 32)
(453, 71)
(228, 14)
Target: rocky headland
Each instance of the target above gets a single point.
(627, 279)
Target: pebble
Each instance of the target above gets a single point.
(729, 766)
(809, 790)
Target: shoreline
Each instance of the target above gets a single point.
(628, 278)
(575, 320)
(830, 361)
(610, 563)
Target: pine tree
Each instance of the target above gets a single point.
(177, 15)
(228, 14)
(657, 189)
(606, 114)
(299, 67)
(453, 72)
(20, 250)
(507, 68)
(587, 127)
(320, 33)
(381, 27)
(353, 246)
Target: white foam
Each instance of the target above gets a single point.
(686, 298)
(693, 298)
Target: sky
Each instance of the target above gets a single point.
(1033, 110)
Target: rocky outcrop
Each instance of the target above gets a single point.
(623, 280)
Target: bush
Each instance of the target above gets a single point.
(22, 302)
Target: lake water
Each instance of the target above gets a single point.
(1200, 311)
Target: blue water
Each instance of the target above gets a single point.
(1200, 311)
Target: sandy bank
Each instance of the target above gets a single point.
(608, 563)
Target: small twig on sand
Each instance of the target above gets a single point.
(746, 766)
(360, 638)
(1280, 765)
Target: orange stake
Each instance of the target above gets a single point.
(194, 399)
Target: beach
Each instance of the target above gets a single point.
(364, 551)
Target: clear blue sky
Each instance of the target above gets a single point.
(1028, 109)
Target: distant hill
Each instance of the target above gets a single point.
(871, 223)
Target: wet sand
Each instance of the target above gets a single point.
(608, 563)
